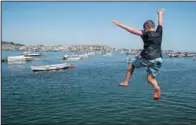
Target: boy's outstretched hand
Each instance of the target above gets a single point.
(115, 22)
(160, 11)
(128, 28)
(160, 16)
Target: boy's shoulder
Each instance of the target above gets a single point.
(159, 29)
(157, 32)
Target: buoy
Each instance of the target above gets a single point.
(3, 60)
(72, 66)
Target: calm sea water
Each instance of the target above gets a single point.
(89, 94)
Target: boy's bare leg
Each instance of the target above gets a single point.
(157, 91)
(128, 75)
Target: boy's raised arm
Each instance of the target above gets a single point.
(128, 28)
(160, 16)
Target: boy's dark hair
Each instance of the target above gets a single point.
(149, 23)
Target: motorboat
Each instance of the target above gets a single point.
(19, 58)
(51, 67)
(31, 54)
(83, 56)
(71, 57)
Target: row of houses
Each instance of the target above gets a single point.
(56, 48)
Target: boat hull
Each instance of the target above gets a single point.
(18, 58)
(71, 58)
(28, 54)
(50, 67)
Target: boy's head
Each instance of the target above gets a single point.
(149, 25)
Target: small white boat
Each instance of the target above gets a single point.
(108, 54)
(16, 63)
(19, 58)
(50, 67)
(31, 54)
(71, 57)
(173, 55)
(91, 53)
(83, 56)
(98, 53)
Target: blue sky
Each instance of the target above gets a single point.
(67, 23)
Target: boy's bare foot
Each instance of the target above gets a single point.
(157, 93)
(125, 83)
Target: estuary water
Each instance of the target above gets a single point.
(89, 93)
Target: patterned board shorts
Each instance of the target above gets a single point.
(153, 66)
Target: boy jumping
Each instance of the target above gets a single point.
(151, 56)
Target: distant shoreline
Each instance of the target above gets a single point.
(21, 47)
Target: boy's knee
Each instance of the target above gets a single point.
(150, 78)
(130, 67)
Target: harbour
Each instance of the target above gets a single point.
(64, 63)
(90, 94)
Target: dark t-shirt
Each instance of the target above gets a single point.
(152, 44)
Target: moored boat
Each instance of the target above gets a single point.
(71, 57)
(3, 60)
(173, 55)
(16, 63)
(108, 54)
(51, 67)
(91, 53)
(19, 58)
(31, 54)
(83, 56)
